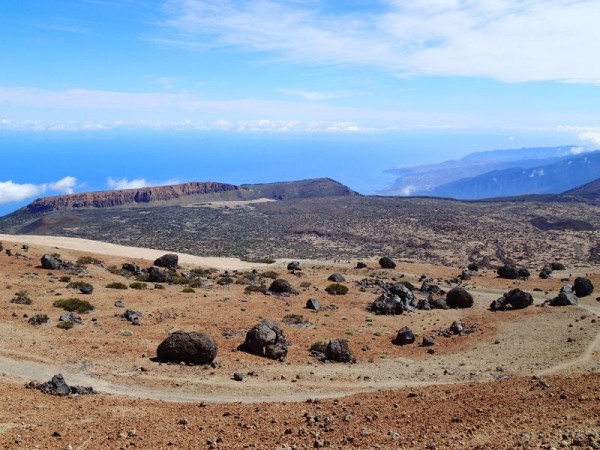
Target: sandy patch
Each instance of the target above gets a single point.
(105, 248)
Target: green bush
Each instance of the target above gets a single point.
(188, 290)
(22, 298)
(294, 319)
(85, 260)
(138, 285)
(116, 285)
(271, 274)
(203, 272)
(195, 283)
(225, 280)
(65, 278)
(254, 290)
(319, 347)
(74, 305)
(180, 280)
(305, 285)
(65, 325)
(336, 289)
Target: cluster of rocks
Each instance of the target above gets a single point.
(335, 350)
(294, 266)
(514, 299)
(511, 272)
(281, 287)
(569, 295)
(547, 270)
(458, 328)
(70, 317)
(396, 299)
(51, 262)
(58, 386)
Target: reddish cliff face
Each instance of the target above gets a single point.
(107, 199)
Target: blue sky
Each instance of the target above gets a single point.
(377, 72)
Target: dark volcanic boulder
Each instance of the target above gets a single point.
(58, 386)
(405, 336)
(281, 286)
(50, 262)
(498, 304)
(557, 266)
(266, 339)
(156, 275)
(336, 277)
(583, 287)
(294, 265)
(518, 299)
(313, 303)
(508, 271)
(431, 288)
(563, 299)
(193, 347)
(169, 261)
(459, 298)
(473, 267)
(361, 265)
(387, 263)
(544, 274)
(524, 274)
(438, 303)
(130, 267)
(338, 351)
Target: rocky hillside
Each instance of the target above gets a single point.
(188, 192)
(109, 199)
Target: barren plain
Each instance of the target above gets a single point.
(523, 379)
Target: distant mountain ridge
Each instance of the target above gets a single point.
(556, 177)
(189, 192)
(424, 179)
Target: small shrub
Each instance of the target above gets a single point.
(126, 333)
(85, 260)
(39, 319)
(225, 280)
(336, 289)
(318, 346)
(180, 280)
(65, 279)
(188, 290)
(138, 285)
(271, 274)
(74, 305)
(195, 283)
(67, 325)
(22, 298)
(116, 285)
(254, 290)
(142, 277)
(305, 285)
(203, 272)
(294, 319)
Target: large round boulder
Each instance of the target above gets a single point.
(508, 271)
(583, 287)
(518, 299)
(169, 261)
(405, 336)
(266, 339)
(338, 351)
(459, 298)
(192, 347)
(294, 265)
(281, 286)
(387, 263)
(50, 262)
(336, 277)
(564, 298)
(557, 266)
(361, 265)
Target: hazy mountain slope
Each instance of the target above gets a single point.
(557, 177)
(422, 179)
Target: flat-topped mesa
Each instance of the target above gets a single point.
(107, 199)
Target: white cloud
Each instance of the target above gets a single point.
(137, 183)
(15, 192)
(592, 137)
(315, 96)
(507, 40)
(124, 183)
